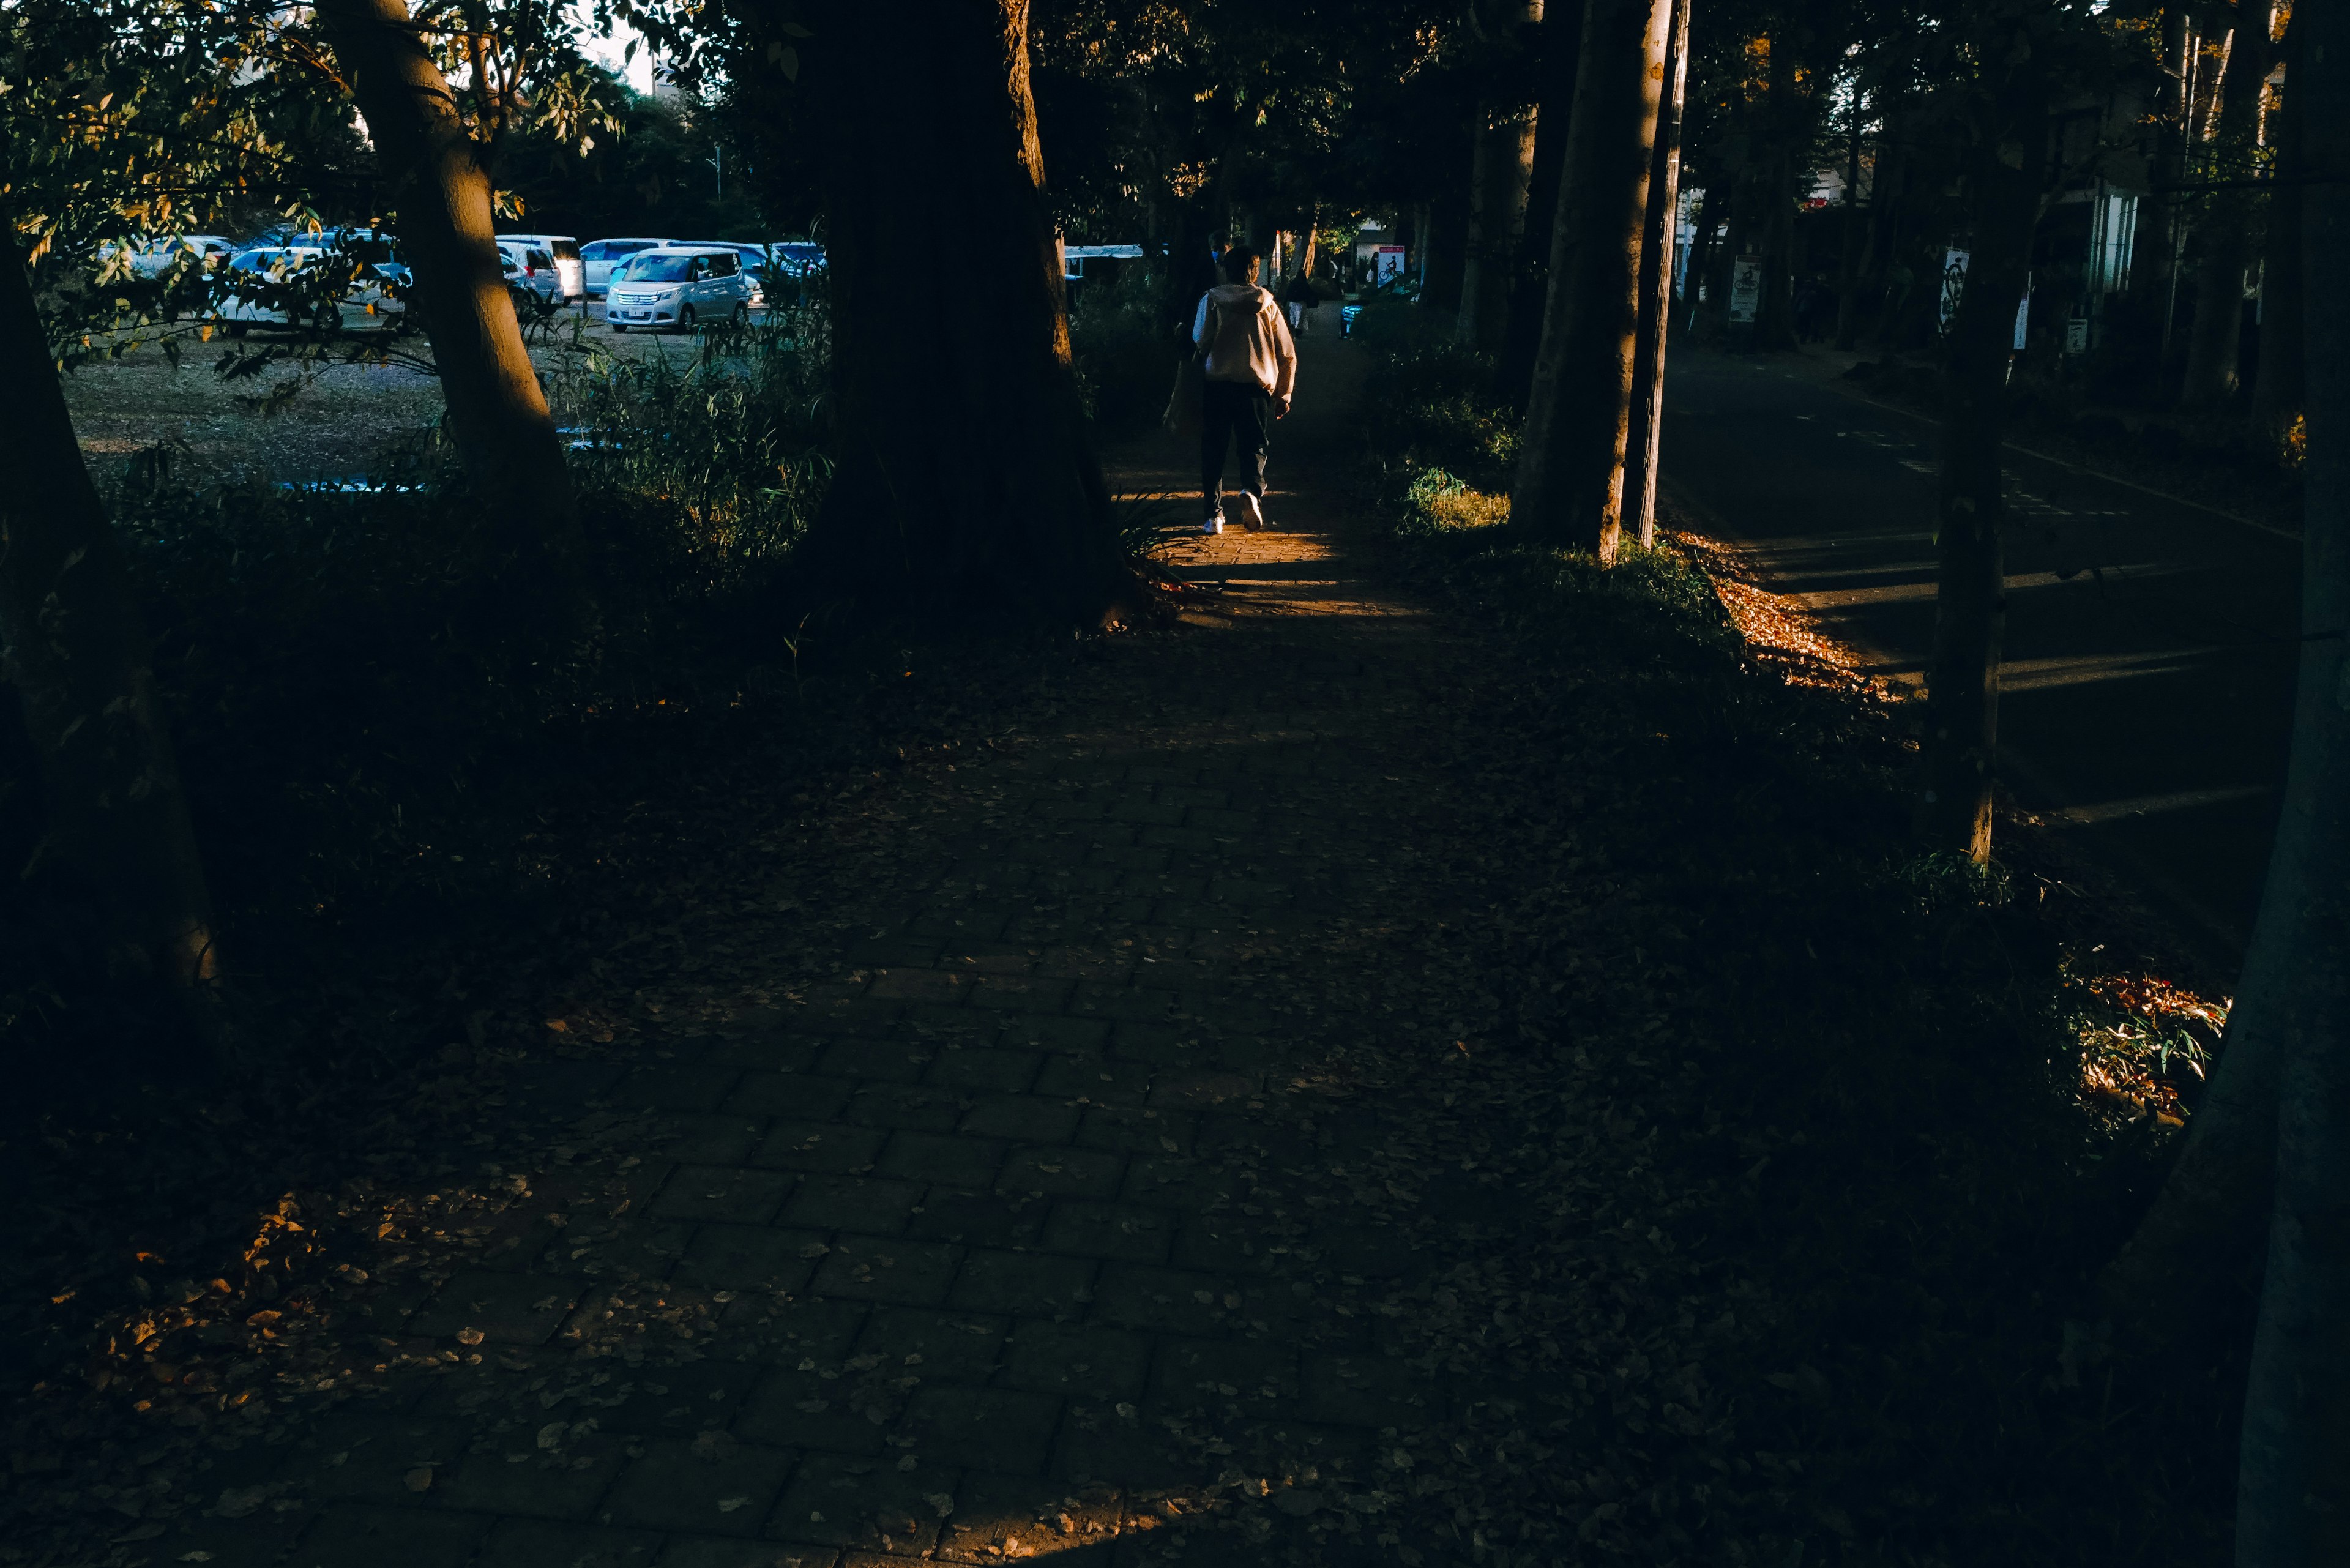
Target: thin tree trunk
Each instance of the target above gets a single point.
(1644, 440)
(2159, 213)
(497, 411)
(1448, 243)
(2293, 1498)
(74, 645)
(1848, 331)
(1569, 489)
(2215, 341)
(1703, 244)
(967, 480)
(2277, 390)
(1560, 36)
(1500, 174)
(1774, 316)
(1971, 599)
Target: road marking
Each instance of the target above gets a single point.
(1894, 593)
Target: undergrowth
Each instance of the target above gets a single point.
(1881, 1194)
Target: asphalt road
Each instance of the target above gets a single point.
(2147, 674)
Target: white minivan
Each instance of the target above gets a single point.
(679, 288)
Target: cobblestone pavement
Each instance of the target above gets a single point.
(974, 1248)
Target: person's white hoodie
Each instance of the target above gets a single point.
(1241, 327)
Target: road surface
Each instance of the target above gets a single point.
(2147, 674)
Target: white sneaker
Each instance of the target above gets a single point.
(1251, 513)
(1212, 525)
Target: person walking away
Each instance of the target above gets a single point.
(1249, 363)
(1300, 296)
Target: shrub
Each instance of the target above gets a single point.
(1125, 361)
(1434, 407)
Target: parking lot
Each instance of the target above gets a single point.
(343, 423)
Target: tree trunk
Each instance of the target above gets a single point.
(1774, 314)
(2223, 238)
(2277, 391)
(967, 479)
(1702, 244)
(1847, 330)
(74, 645)
(1448, 244)
(1561, 35)
(497, 412)
(2293, 1498)
(1500, 174)
(1569, 489)
(1971, 599)
(2159, 214)
(1644, 440)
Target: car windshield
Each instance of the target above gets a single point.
(658, 267)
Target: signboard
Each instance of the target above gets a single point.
(2076, 335)
(2023, 320)
(1745, 287)
(1389, 261)
(1954, 283)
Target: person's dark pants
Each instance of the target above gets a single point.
(1230, 412)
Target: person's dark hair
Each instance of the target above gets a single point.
(1237, 262)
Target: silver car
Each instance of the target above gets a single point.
(679, 289)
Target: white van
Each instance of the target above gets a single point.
(680, 289)
(599, 259)
(367, 302)
(570, 280)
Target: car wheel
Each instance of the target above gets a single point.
(616, 326)
(686, 320)
(741, 316)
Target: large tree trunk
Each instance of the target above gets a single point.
(73, 644)
(1499, 175)
(1644, 440)
(2223, 238)
(967, 479)
(2277, 391)
(1562, 34)
(497, 412)
(1569, 488)
(1970, 597)
(2293, 1499)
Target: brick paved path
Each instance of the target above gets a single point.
(977, 1248)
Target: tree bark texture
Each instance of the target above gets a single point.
(2292, 1500)
(1501, 173)
(2277, 390)
(1644, 442)
(1569, 487)
(2223, 236)
(1970, 596)
(74, 645)
(967, 479)
(1560, 36)
(2159, 214)
(497, 411)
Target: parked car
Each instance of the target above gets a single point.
(531, 271)
(563, 256)
(678, 287)
(759, 263)
(598, 259)
(369, 295)
(161, 255)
